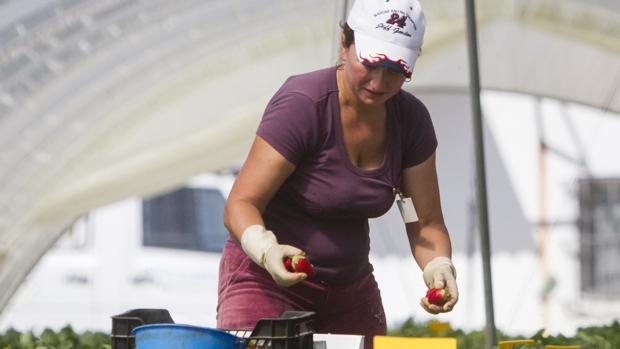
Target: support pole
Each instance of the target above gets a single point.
(481, 193)
(542, 216)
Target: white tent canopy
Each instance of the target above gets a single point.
(104, 100)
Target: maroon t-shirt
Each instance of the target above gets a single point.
(324, 206)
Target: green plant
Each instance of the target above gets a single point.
(66, 338)
(595, 337)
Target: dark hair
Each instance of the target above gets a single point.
(349, 37)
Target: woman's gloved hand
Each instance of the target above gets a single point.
(440, 273)
(262, 247)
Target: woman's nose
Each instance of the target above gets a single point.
(379, 77)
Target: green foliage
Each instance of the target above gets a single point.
(599, 337)
(470, 340)
(66, 338)
(596, 337)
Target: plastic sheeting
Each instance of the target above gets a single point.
(138, 98)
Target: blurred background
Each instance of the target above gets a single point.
(123, 123)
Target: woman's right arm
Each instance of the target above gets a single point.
(260, 177)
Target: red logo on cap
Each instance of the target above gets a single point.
(397, 19)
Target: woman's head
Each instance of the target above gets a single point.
(386, 33)
(381, 41)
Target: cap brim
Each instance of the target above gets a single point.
(374, 52)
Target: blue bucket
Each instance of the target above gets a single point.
(173, 336)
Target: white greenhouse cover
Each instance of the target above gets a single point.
(131, 98)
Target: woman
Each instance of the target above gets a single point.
(333, 149)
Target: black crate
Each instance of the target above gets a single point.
(292, 330)
(123, 324)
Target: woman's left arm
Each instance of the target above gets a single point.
(428, 237)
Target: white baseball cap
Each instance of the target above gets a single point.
(388, 33)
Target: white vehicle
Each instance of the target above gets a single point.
(157, 252)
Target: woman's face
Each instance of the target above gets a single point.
(370, 85)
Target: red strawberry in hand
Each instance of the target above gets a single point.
(301, 264)
(437, 296)
(288, 264)
(298, 264)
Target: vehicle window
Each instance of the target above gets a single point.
(187, 218)
(599, 224)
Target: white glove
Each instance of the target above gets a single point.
(440, 273)
(262, 247)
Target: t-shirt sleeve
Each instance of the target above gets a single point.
(289, 124)
(420, 141)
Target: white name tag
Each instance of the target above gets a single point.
(405, 205)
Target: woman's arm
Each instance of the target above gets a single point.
(428, 237)
(260, 177)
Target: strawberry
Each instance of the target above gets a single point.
(298, 264)
(302, 264)
(437, 296)
(288, 264)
